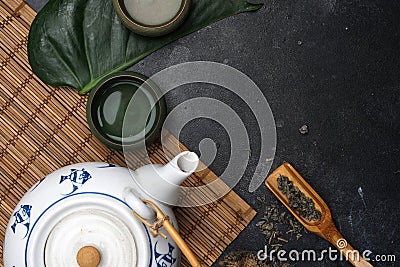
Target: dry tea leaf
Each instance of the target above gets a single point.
(242, 259)
(277, 224)
(304, 205)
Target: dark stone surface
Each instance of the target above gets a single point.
(334, 66)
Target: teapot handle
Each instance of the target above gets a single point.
(131, 198)
(163, 220)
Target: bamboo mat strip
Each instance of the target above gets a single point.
(44, 128)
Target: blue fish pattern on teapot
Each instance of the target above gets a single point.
(22, 217)
(164, 259)
(77, 178)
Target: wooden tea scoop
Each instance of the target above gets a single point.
(163, 221)
(325, 226)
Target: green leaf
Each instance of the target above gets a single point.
(76, 43)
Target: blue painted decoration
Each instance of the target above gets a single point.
(38, 183)
(77, 178)
(110, 165)
(22, 217)
(164, 259)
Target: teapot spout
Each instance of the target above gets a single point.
(161, 182)
(180, 167)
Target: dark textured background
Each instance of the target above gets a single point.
(333, 65)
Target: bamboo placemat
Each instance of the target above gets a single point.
(44, 128)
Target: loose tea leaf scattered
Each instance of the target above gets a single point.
(303, 129)
(279, 226)
(304, 205)
(242, 259)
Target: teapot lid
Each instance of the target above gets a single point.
(102, 235)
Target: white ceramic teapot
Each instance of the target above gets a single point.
(85, 211)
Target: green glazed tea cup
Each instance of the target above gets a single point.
(123, 112)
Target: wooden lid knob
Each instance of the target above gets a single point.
(88, 257)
